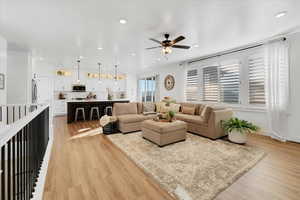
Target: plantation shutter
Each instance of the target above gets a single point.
(191, 90)
(256, 79)
(229, 81)
(210, 84)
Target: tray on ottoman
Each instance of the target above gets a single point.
(164, 133)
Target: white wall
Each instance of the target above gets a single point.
(131, 87)
(18, 77)
(3, 68)
(294, 118)
(175, 70)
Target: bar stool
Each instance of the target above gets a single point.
(97, 111)
(108, 110)
(77, 111)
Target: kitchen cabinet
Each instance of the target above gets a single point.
(60, 107)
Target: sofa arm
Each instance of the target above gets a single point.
(215, 120)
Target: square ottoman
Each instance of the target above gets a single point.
(164, 133)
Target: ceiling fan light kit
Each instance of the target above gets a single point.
(167, 45)
(167, 50)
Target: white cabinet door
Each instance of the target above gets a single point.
(60, 107)
(44, 90)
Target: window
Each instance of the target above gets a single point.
(222, 83)
(256, 79)
(147, 89)
(229, 81)
(210, 84)
(234, 78)
(191, 90)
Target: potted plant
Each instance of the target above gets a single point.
(237, 129)
(170, 115)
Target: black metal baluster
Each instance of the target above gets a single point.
(19, 112)
(14, 167)
(31, 159)
(23, 165)
(3, 172)
(27, 162)
(9, 170)
(13, 114)
(7, 122)
(18, 166)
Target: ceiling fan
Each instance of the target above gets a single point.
(167, 44)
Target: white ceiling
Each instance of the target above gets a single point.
(61, 30)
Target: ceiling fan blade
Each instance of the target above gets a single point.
(155, 40)
(153, 47)
(178, 39)
(181, 46)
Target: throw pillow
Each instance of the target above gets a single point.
(188, 110)
(175, 107)
(159, 105)
(165, 109)
(148, 107)
(206, 111)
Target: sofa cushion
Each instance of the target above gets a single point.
(148, 107)
(125, 108)
(140, 108)
(131, 118)
(206, 111)
(194, 119)
(196, 106)
(188, 110)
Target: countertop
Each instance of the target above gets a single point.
(94, 100)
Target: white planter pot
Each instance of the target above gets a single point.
(237, 137)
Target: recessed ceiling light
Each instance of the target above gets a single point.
(196, 45)
(133, 54)
(100, 48)
(158, 59)
(41, 58)
(123, 21)
(281, 14)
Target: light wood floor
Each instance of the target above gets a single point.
(92, 167)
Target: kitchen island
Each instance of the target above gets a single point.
(87, 105)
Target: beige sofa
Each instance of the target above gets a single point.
(205, 120)
(130, 116)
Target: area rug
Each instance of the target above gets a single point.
(197, 169)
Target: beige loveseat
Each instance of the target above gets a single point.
(204, 120)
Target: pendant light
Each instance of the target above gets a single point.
(116, 74)
(99, 75)
(78, 71)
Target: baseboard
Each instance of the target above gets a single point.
(39, 190)
(294, 139)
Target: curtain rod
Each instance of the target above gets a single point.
(236, 50)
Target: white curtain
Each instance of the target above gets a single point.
(277, 88)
